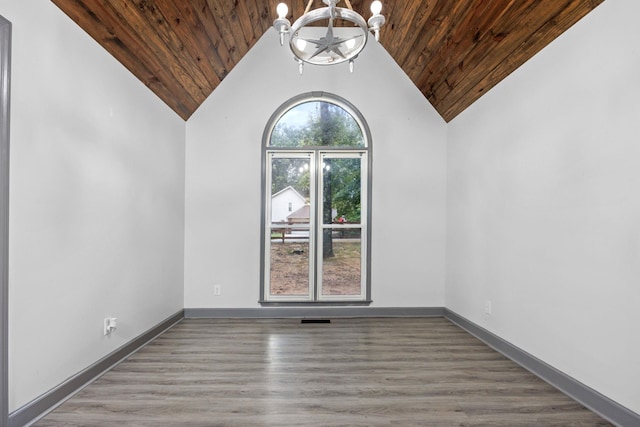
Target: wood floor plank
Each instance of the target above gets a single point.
(350, 372)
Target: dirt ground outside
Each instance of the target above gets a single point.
(290, 268)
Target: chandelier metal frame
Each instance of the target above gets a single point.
(338, 44)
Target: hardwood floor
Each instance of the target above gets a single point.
(350, 372)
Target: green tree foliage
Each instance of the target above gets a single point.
(345, 184)
(320, 124)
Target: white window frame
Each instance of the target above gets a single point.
(364, 208)
(270, 152)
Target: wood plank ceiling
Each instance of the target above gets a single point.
(453, 50)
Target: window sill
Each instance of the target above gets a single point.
(360, 303)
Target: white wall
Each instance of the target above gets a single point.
(544, 205)
(96, 208)
(223, 183)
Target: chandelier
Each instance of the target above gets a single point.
(341, 40)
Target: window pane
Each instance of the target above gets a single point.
(289, 262)
(290, 185)
(341, 190)
(341, 269)
(317, 123)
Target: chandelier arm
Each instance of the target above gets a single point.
(308, 8)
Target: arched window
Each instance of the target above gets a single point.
(316, 216)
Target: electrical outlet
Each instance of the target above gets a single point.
(217, 290)
(109, 325)
(487, 307)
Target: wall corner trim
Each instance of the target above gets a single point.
(596, 402)
(44, 404)
(5, 107)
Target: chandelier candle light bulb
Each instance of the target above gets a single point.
(282, 9)
(282, 24)
(376, 7)
(377, 20)
(345, 33)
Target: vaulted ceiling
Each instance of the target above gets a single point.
(453, 50)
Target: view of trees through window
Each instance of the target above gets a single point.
(317, 169)
(317, 124)
(327, 125)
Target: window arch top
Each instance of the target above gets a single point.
(317, 123)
